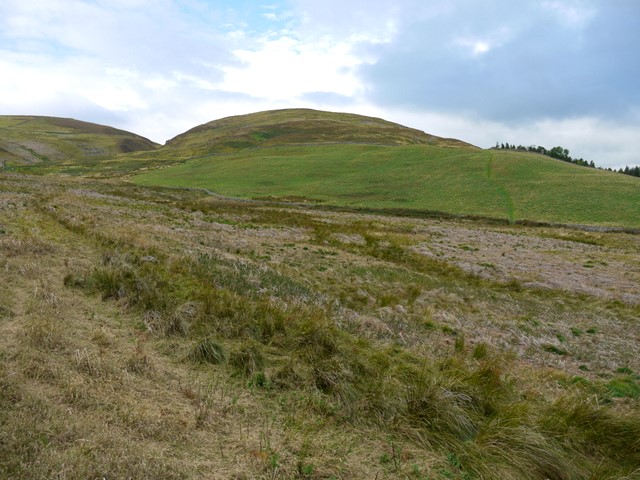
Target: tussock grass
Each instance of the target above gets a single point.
(208, 351)
(247, 358)
(46, 334)
(213, 345)
(464, 400)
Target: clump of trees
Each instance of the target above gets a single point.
(633, 171)
(561, 153)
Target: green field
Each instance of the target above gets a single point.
(461, 181)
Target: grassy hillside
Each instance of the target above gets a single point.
(51, 141)
(466, 181)
(297, 126)
(153, 333)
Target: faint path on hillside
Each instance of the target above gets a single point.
(501, 190)
(419, 213)
(17, 124)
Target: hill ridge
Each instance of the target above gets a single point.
(35, 139)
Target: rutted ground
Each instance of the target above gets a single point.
(92, 386)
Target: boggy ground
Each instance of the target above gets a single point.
(155, 333)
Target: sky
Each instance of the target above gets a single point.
(531, 72)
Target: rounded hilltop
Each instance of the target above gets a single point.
(299, 126)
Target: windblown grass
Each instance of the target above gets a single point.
(264, 342)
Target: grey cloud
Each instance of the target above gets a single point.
(540, 66)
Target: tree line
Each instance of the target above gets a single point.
(561, 153)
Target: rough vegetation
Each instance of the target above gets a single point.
(331, 330)
(158, 333)
(57, 142)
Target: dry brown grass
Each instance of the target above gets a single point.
(235, 341)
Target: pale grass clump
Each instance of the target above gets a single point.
(44, 300)
(30, 246)
(139, 362)
(165, 324)
(91, 364)
(48, 333)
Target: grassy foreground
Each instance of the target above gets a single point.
(152, 333)
(462, 181)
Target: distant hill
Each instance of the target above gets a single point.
(336, 159)
(299, 127)
(50, 140)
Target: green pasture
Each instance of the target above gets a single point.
(461, 181)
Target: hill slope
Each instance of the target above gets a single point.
(462, 181)
(299, 126)
(51, 140)
(335, 158)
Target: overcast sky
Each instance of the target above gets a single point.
(546, 72)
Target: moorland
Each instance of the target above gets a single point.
(299, 294)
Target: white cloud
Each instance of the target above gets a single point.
(475, 47)
(159, 67)
(481, 44)
(371, 21)
(573, 13)
(286, 68)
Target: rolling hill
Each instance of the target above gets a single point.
(333, 159)
(360, 162)
(298, 127)
(29, 140)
